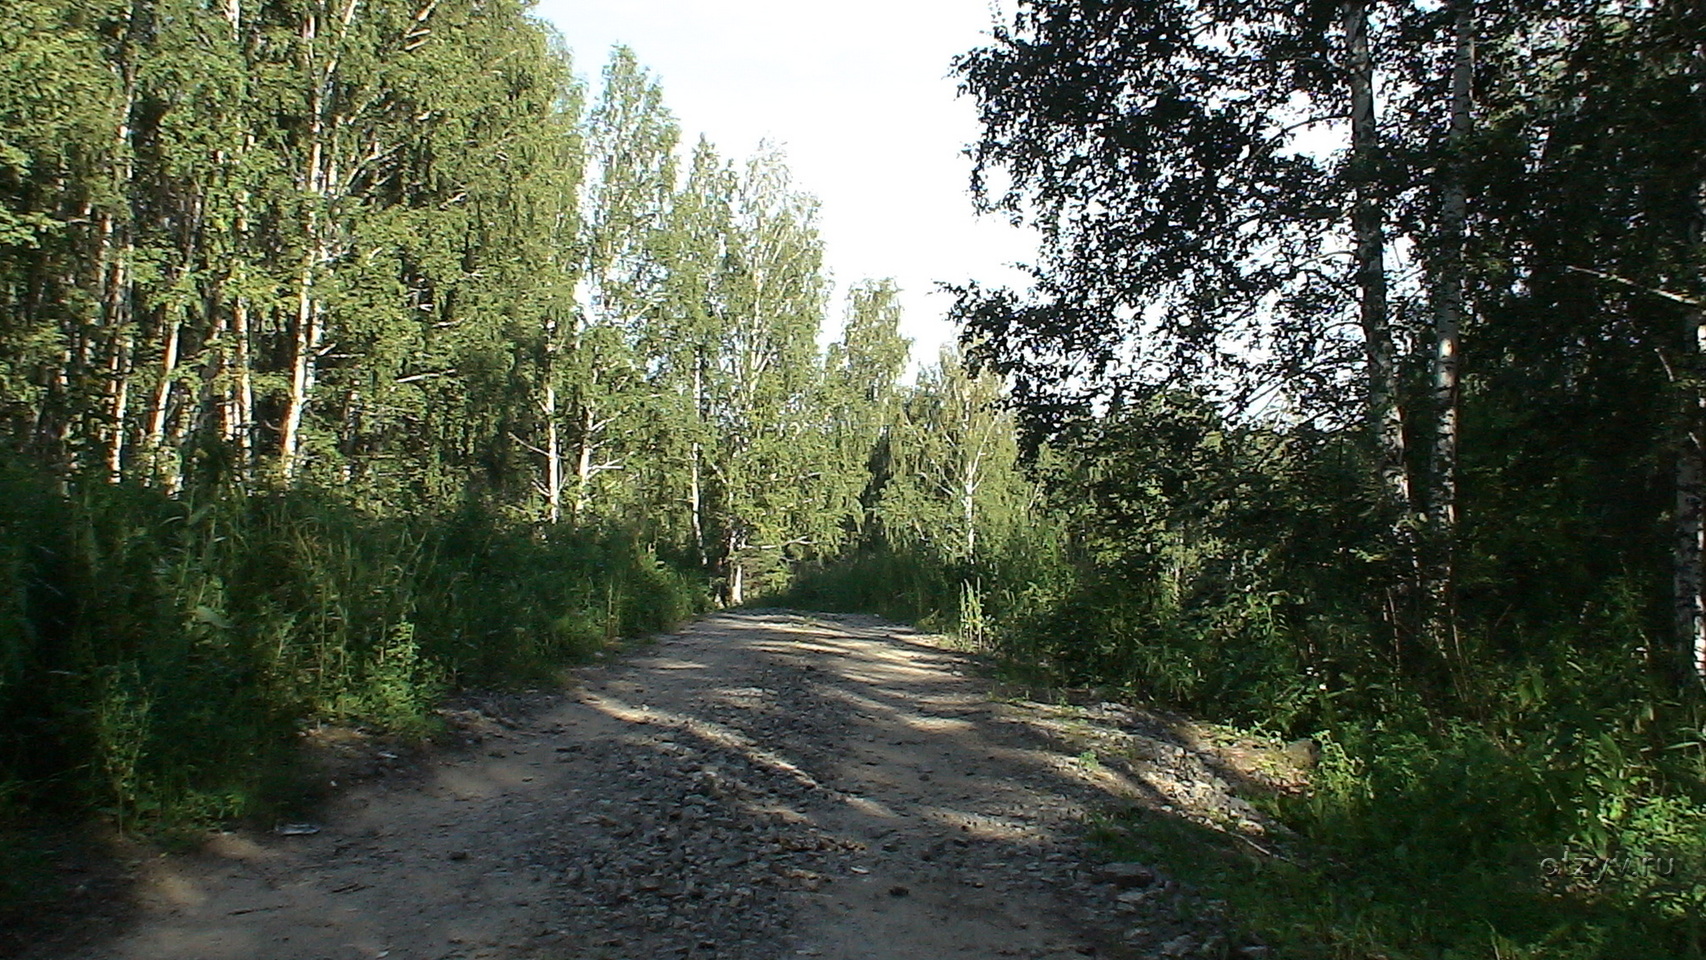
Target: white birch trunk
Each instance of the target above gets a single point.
(696, 506)
(1385, 419)
(1690, 520)
(118, 400)
(117, 250)
(304, 335)
(155, 436)
(163, 468)
(303, 367)
(695, 492)
(243, 391)
(584, 446)
(553, 453)
(240, 394)
(319, 176)
(1449, 310)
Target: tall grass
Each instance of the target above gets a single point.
(158, 657)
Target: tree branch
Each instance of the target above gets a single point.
(1672, 296)
(529, 446)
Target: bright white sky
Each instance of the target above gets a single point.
(859, 98)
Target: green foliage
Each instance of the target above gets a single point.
(1439, 845)
(904, 585)
(397, 688)
(1226, 569)
(171, 649)
(1473, 592)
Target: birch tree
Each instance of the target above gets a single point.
(1368, 229)
(862, 397)
(766, 467)
(685, 338)
(59, 127)
(1446, 263)
(955, 456)
(593, 377)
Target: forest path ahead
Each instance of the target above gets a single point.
(760, 785)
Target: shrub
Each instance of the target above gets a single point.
(158, 655)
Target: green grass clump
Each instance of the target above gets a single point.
(1448, 846)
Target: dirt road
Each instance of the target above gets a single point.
(760, 785)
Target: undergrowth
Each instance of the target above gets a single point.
(1553, 807)
(159, 656)
(1437, 851)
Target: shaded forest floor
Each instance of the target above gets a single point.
(761, 784)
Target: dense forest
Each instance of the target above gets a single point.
(355, 350)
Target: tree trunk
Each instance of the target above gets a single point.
(553, 452)
(588, 303)
(117, 250)
(319, 180)
(163, 468)
(584, 446)
(240, 395)
(303, 364)
(117, 318)
(51, 440)
(1367, 225)
(968, 509)
(306, 334)
(182, 419)
(1449, 309)
(155, 438)
(243, 391)
(118, 395)
(695, 491)
(1386, 418)
(1690, 519)
(696, 507)
(734, 574)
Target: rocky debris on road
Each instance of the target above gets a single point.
(671, 860)
(677, 844)
(763, 785)
(1126, 874)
